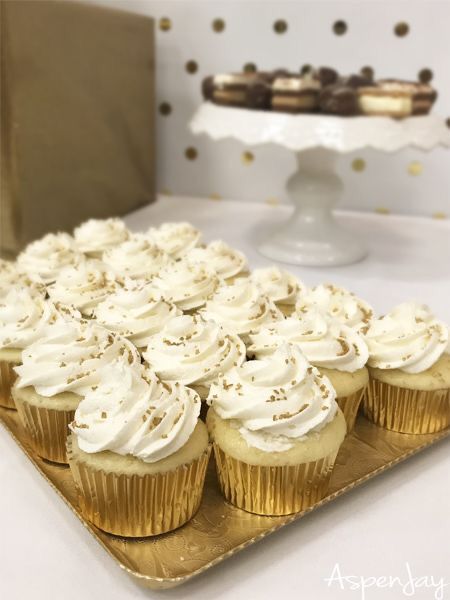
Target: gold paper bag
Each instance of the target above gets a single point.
(77, 118)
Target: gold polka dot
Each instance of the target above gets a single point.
(191, 66)
(247, 158)
(368, 72)
(448, 122)
(305, 69)
(165, 109)
(165, 192)
(272, 201)
(340, 27)
(425, 75)
(415, 168)
(401, 29)
(165, 24)
(215, 197)
(191, 153)
(439, 215)
(382, 210)
(218, 25)
(358, 165)
(280, 26)
(249, 68)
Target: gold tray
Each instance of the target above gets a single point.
(219, 530)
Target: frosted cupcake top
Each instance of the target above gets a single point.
(43, 259)
(324, 341)
(9, 275)
(280, 286)
(137, 258)
(68, 357)
(136, 311)
(224, 260)
(186, 284)
(409, 338)
(130, 412)
(338, 303)
(241, 308)
(83, 286)
(193, 351)
(175, 238)
(276, 400)
(95, 236)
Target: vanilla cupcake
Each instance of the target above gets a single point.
(194, 352)
(83, 286)
(56, 371)
(186, 284)
(23, 318)
(44, 259)
(95, 236)
(276, 431)
(175, 238)
(338, 303)
(227, 262)
(280, 286)
(138, 453)
(137, 258)
(338, 351)
(409, 367)
(137, 311)
(12, 277)
(241, 308)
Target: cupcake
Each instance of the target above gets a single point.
(175, 238)
(136, 258)
(335, 349)
(23, 318)
(12, 277)
(83, 286)
(280, 286)
(194, 352)
(95, 236)
(44, 259)
(276, 431)
(241, 308)
(56, 371)
(137, 311)
(138, 453)
(228, 263)
(409, 368)
(186, 284)
(338, 303)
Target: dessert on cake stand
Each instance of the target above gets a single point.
(312, 236)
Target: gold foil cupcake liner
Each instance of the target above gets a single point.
(7, 379)
(407, 411)
(349, 406)
(139, 505)
(47, 429)
(265, 490)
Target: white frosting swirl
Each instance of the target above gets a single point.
(132, 413)
(68, 357)
(275, 400)
(137, 258)
(325, 342)
(193, 351)
(338, 303)
(175, 238)
(137, 311)
(224, 260)
(43, 259)
(409, 338)
(95, 236)
(241, 308)
(280, 286)
(82, 286)
(188, 285)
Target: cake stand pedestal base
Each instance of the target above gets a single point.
(312, 237)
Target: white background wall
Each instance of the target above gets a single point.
(406, 182)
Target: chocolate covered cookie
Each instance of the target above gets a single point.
(248, 90)
(295, 93)
(396, 98)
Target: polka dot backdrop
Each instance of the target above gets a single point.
(195, 39)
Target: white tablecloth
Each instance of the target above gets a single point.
(400, 518)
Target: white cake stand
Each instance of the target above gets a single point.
(312, 236)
